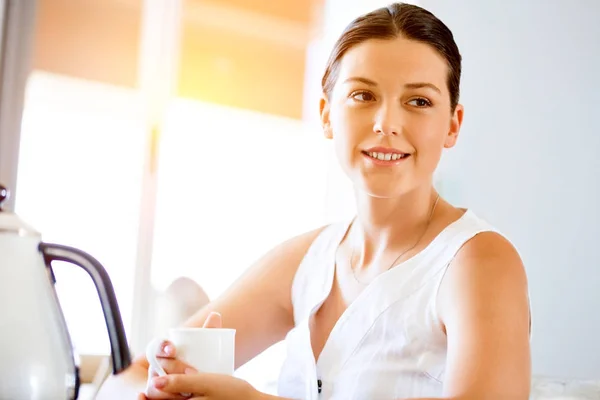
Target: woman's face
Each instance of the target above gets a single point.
(389, 115)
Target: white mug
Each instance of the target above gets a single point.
(210, 350)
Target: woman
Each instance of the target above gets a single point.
(413, 298)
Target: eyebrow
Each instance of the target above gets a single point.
(420, 85)
(361, 80)
(414, 85)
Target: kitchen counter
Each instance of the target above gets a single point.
(544, 388)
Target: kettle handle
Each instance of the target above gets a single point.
(121, 357)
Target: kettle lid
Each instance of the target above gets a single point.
(10, 222)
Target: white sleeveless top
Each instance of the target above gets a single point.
(388, 343)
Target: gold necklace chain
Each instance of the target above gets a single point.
(405, 251)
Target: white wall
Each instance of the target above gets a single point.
(528, 160)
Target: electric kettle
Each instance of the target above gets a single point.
(36, 355)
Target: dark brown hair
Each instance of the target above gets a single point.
(398, 19)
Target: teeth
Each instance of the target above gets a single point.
(384, 156)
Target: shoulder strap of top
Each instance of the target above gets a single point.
(316, 270)
(457, 234)
(467, 228)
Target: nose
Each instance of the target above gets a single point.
(388, 120)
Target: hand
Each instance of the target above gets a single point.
(169, 362)
(204, 386)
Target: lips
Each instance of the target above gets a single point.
(381, 156)
(385, 155)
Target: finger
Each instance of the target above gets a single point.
(195, 383)
(153, 393)
(142, 396)
(157, 350)
(174, 366)
(166, 350)
(160, 348)
(213, 320)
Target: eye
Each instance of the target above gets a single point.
(420, 102)
(362, 96)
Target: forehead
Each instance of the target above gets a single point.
(397, 60)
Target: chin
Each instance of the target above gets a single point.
(383, 190)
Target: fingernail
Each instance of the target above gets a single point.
(168, 350)
(160, 382)
(190, 371)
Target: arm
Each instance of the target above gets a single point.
(484, 306)
(258, 305)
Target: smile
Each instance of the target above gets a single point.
(385, 156)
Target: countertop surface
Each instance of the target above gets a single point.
(542, 389)
(564, 389)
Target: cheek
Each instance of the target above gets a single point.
(348, 133)
(429, 134)
(345, 127)
(351, 124)
(428, 140)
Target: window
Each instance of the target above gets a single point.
(79, 179)
(232, 184)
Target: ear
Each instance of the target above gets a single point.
(455, 124)
(324, 112)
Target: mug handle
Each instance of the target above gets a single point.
(151, 351)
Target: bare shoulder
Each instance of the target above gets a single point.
(269, 279)
(298, 245)
(492, 260)
(287, 256)
(487, 266)
(492, 246)
(483, 303)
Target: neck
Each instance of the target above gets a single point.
(390, 225)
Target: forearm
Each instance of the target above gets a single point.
(452, 398)
(127, 385)
(442, 398)
(264, 396)
(471, 397)
(429, 398)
